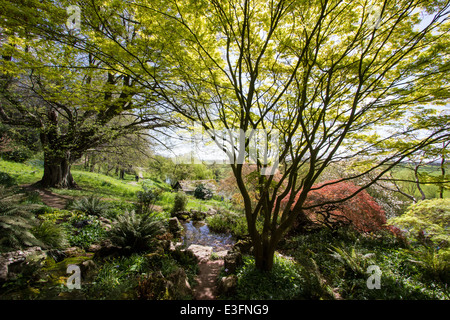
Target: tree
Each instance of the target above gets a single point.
(52, 81)
(426, 219)
(320, 74)
(360, 212)
(317, 79)
(419, 164)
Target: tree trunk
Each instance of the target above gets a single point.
(57, 174)
(441, 187)
(264, 256)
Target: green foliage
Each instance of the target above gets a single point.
(434, 264)
(16, 221)
(203, 193)
(83, 230)
(52, 235)
(227, 221)
(135, 232)
(282, 282)
(118, 278)
(405, 272)
(91, 205)
(179, 203)
(146, 198)
(353, 260)
(426, 220)
(6, 180)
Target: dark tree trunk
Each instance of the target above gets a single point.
(57, 173)
(264, 256)
(441, 187)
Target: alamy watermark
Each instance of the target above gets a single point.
(374, 280)
(233, 146)
(73, 22)
(74, 281)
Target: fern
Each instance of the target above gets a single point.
(355, 261)
(136, 232)
(16, 222)
(91, 205)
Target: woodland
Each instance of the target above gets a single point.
(329, 125)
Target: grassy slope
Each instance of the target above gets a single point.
(103, 186)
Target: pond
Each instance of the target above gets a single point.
(198, 232)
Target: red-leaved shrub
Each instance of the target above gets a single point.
(360, 212)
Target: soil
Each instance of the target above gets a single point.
(49, 198)
(206, 289)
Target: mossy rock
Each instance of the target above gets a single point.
(56, 272)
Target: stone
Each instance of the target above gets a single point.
(16, 262)
(211, 212)
(197, 215)
(87, 269)
(221, 254)
(244, 246)
(105, 223)
(232, 261)
(180, 287)
(227, 285)
(175, 226)
(182, 215)
(73, 252)
(108, 249)
(203, 253)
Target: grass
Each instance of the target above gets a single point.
(90, 183)
(430, 190)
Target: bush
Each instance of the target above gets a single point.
(426, 220)
(360, 212)
(202, 193)
(118, 278)
(91, 205)
(6, 180)
(180, 202)
(224, 221)
(136, 232)
(51, 235)
(16, 222)
(146, 198)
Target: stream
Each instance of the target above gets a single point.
(198, 232)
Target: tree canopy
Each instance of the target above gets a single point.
(323, 81)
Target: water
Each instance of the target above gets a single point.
(198, 232)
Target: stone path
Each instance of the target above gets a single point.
(206, 288)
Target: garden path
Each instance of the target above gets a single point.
(49, 198)
(206, 289)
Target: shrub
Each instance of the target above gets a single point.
(147, 198)
(224, 221)
(118, 278)
(361, 212)
(180, 202)
(136, 232)
(6, 180)
(202, 193)
(426, 220)
(51, 235)
(16, 222)
(91, 205)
